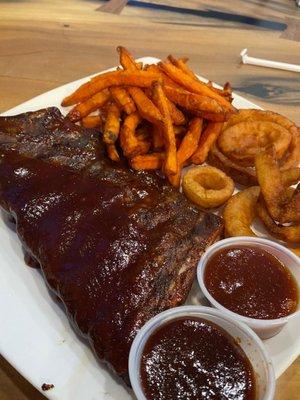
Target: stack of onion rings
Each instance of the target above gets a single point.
(249, 132)
(275, 191)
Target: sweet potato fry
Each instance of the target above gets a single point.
(154, 68)
(112, 152)
(157, 137)
(182, 65)
(128, 140)
(92, 121)
(83, 109)
(213, 117)
(193, 101)
(108, 79)
(147, 161)
(143, 146)
(194, 86)
(123, 99)
(179, 130)
(177, 116)
(170, 165)
(126, 59)
(143, 132)
(207, 139)
(112, 124)
(190, 141)
(187, 147)
(145, 106)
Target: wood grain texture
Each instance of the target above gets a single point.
(45, 44)
(113, 6)
(203, 15)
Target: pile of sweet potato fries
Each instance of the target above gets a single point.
(160, 116)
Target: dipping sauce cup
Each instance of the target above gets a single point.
(243, 335)
(265, 328)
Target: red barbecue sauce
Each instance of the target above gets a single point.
(194, 359)
(251, 282)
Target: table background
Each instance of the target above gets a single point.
(45, 44)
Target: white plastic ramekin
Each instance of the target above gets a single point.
(265, 328)
(247, 339)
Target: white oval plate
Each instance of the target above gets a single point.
(35, 335)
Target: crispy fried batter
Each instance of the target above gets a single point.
(280, 205)
(239, 212)
(289, 233)
(207, 186)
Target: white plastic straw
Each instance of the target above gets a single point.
(268, 63)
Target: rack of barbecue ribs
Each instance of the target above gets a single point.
(115, 245)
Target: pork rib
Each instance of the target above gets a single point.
(116, 246)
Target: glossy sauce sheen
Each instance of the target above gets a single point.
(194, 359)
(116, 247)
(251, 282)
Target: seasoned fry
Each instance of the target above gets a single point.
(207, 139)
(187, 147)
(148, 161)
(170, 165)
(126, 59)
(190, 141)
(112, 78)
(213, 117)
(193, 101)
(177, 116)
(112, 124)
(182, 65)
(145, 106)
(154, 68)
(123, 99)
(143, 132)
(92, 121)
(112, 152)
(143, 146)
(194, 86)
(157, 137)
(83, 109)
(179, 130)
(158, 108)
(128, 140)
(225, 92)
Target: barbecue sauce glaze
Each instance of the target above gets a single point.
(251, 282)
(194, 359)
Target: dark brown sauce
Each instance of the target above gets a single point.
(251, 282)
(194, 359)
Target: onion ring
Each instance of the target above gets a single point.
(237, 169)
(281, 206)
(244, 175)
(239, 212)
(207, 186)
(242, 141)
(288, 233)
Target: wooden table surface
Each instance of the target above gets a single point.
(45, 44)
